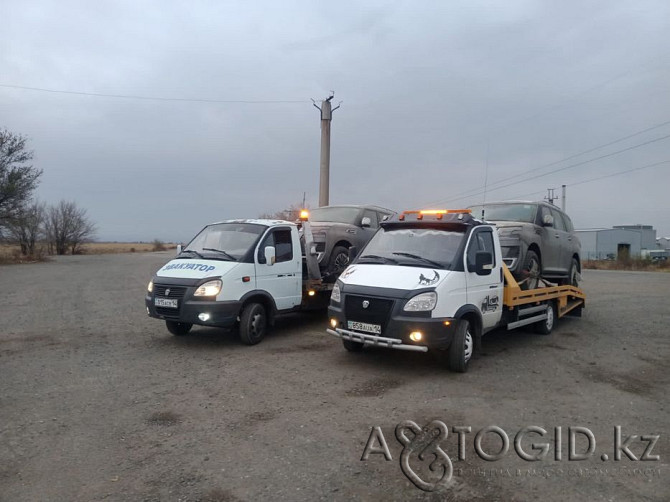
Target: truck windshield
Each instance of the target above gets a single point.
(335, 214)
(506, 212)
(419, 247)
(224, 241)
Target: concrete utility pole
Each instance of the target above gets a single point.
(563, 197)
(324, 178)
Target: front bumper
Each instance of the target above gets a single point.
(221, 314)
(367, 339)
(437, 333)
(513, 254)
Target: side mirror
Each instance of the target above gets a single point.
(547, 220)
(483, 263)
(269, 256)
(366, 222)
(353, 252)
(179, 249)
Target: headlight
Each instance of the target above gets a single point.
(335, 295)
(211, 288)
(150, 286)
(422, 302)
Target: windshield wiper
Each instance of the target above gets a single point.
(384, 259)
(421, 258)
(191, 251)
(227, 255)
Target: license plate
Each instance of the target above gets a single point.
(171, 303)
(363, 326)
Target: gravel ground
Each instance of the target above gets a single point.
(99, 402)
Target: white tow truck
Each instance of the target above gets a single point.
(239, 272)
(435, 280)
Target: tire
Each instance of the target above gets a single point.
(573, 275)
(352, 346)
(178, 328)
(253, 323)
(545, 327)
(461, 348)
(534, 267)
(339, 259)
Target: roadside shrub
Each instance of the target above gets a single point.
(640, 264)
(158, 245)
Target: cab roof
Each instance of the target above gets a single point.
(257, 221)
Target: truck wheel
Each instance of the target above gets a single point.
(545, 327)
(352, 346)
(461, 348)
(178, 328)
(253, 324)
(339, 259)
(533, 267)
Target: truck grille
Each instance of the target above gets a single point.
(174, 291)
(378, 310)
(167, 312)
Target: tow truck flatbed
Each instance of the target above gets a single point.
(435, 280)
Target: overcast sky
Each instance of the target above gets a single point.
(432, 93)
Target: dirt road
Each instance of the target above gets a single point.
(99, 402)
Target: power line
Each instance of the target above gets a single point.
(590, 150)
(620, 172)
(154, 98)
(451, 199)
(601, 177)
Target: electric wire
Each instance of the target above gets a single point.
(155, 98)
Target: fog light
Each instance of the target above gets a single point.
(333, 323)
(311, 292)
(416, 336)
(447, 323)
(203, 317)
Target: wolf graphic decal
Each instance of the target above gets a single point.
(425, 281)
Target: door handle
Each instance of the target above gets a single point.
(556, 235)
(493, 287)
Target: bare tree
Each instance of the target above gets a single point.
(18, 178)
(67, 228)
(27, 227)
(291, 213)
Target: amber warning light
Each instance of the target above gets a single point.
(439, 213)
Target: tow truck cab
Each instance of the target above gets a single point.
(235, 271)
(426, 280)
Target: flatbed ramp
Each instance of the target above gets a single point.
(568, 300)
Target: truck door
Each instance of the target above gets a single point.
(484, 291)
(282, 279)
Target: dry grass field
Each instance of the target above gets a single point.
(633, 264)
(11, 254)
